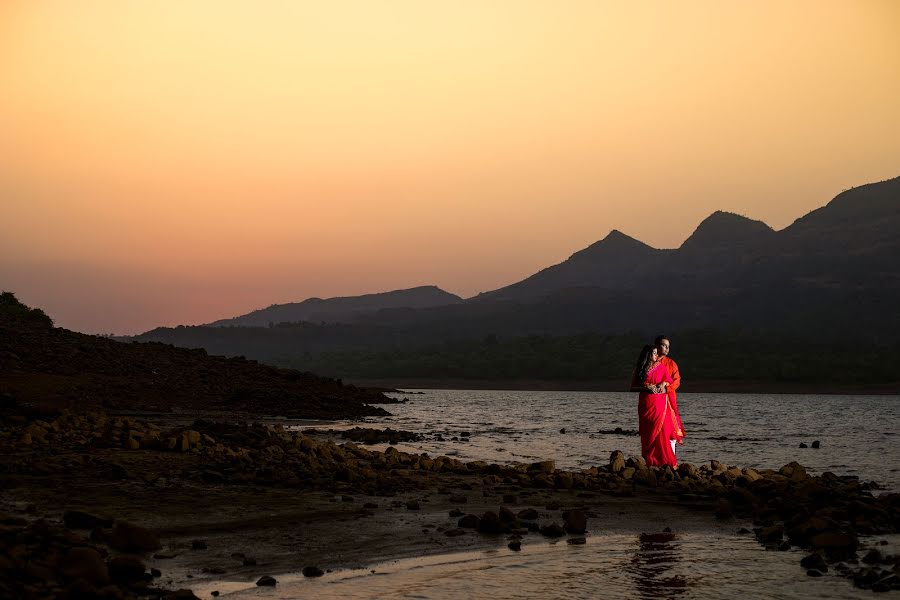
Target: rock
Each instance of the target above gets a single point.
(312, 572)
(490, 523)
(802, 445)
(468, 522)
(544, 466)
(455, 532)
(126, 568)
(528, 514)
(772, 534)
(459, 499)
(578, 541)
(814, 573)
(816, 444)
(873, 557)
(616, 461)
(76, 519)
(837, 545)
(814, 561)
(268, 580)
(688, 471)
(724, 509)
(85, 563)
(509, 499)
(413, 505)
(793, 471)
(627, 473)
(506, 515)
(574, 521)
(198, 545)
(553, 531)
(515, 546)
(127, 537)
(455, 513)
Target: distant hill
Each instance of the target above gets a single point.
(341, 309)
(615, 262)
(832, 276)
(53, 368)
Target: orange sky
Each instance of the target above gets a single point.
(180, 162)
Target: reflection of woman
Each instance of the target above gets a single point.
(659, 423)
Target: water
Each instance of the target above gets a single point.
(617, 566)
(702, 559)
(859, 435)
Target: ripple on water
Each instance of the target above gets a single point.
(616, 566)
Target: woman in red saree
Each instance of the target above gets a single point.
(659, 422)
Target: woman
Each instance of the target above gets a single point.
(659, 423)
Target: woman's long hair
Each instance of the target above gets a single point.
(644, 363)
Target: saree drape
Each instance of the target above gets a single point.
(658, 421)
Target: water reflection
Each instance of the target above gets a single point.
(652, 566)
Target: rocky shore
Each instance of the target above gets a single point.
(141, 470)
(98, 505)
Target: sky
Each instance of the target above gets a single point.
(167, 163)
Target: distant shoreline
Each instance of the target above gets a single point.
(703, 386)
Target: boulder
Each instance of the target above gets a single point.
(553, 531)
(544, 466)
(127, 537)
(490, 523)
(85, 563)
(574, 521)
(268, 580)
(468, 522)
(312, 572)
(126, 568)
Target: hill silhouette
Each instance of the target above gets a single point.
(341, 309)
(832, 278)
(55, 368)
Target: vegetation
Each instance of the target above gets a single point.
(702, 355)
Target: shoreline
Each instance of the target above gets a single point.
(217, 501)
(705, 387)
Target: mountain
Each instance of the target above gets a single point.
(341, 309)
(722, 230)
(617, 261)
(834, 274)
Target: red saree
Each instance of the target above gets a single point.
(658, 421)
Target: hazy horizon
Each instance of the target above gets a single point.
(165, 164)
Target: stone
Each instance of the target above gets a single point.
(126, 568)
(312, 572)
(515, 546)
(575, 521)
(544, 466)
(455, 532)
(85, 563)
(413, 505)
(468, 522)
(616, 461)
(837, 545)
(578, 541)
(552, 531)
(459, 499)
(814, 561)
(528, 514)
(793, 471)
(816, 444)
(802, 445)
(506, 515)
(490, 523)
(127, 537)
(268, 580)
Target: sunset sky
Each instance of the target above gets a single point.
(177, 162)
